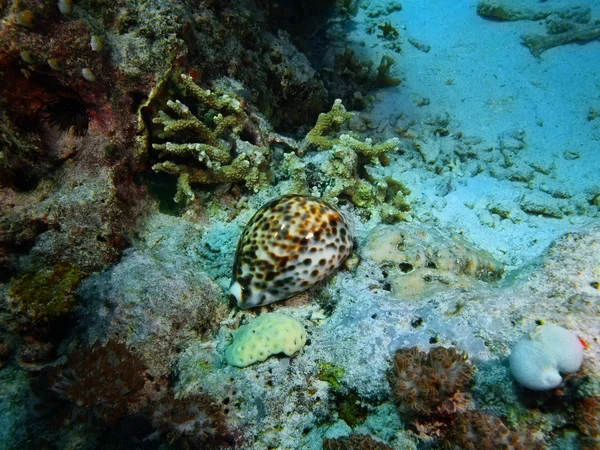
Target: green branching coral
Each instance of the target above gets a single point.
(323, 134)
(205, 138)
(327, 133)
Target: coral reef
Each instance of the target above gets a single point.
(354, 442)
(93, 68)
(156, 299)
(42, 297)
(587, 413)
(20, 166)
(98, 126)
(15, 391)
(102, 382)
(422, 382)
(352, 80)
(420, 260)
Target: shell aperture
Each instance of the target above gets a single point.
(290, 244)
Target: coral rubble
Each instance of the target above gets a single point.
(564, 25)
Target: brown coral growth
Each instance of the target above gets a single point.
(354, 442)
(478, 431)
(422, 382)
(587, 415)
(191, 422)
(102, 382)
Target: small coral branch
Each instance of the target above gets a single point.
(246, 167)
(342, 173)
(185, 123)
(328, 123)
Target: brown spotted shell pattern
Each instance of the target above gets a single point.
(290, 244)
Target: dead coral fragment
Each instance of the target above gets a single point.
(476, 430)
(102, 382)
(563, 25)
(538, 44)
(421, 381)
(421, 260)
(207, 141)
(354, 442)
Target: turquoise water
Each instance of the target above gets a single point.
(299, 225)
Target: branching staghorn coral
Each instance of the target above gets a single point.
(208, 141)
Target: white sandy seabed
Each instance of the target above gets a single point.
(479, 75)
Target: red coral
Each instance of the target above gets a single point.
(103, 382)
(423, 383)
(354, 442)
(478, 431)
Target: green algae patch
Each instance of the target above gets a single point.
(46, 296)
(331, 374)
(351, 410)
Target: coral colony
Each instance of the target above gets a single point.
(299, 225)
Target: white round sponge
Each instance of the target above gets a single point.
(537, 359)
